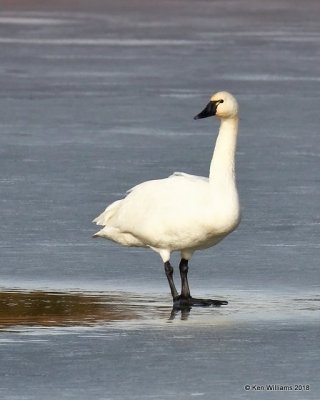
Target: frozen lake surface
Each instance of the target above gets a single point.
(98, 97)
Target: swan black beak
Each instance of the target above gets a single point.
(209, 110)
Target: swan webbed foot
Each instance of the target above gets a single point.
(181, 302)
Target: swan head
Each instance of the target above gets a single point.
(222, 104)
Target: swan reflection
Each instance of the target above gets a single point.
(63, 309)
(49, 309)
(39, 308)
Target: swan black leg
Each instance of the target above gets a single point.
(169, 273)
(185, 290)
(185, 300)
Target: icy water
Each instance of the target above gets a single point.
(98, 96)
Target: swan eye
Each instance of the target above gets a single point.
(221, 101)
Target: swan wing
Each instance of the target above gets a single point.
(180, 175)
(159, 213)
(183, 175)
(108, 213)
(151, 189)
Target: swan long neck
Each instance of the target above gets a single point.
(222, 168)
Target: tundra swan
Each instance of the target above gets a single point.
(183, 212)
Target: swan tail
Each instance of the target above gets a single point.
(106, 233)
(108, 213)
(117, 236)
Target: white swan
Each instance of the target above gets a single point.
(183, 212)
